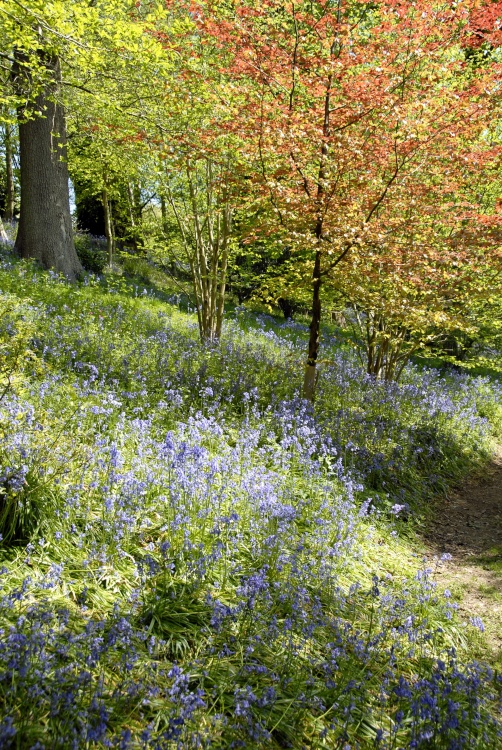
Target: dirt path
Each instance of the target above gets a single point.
(469, 527)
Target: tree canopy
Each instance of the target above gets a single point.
(356, 144)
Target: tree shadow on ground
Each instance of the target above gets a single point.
(468, 526)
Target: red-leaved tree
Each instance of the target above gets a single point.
(351, 116)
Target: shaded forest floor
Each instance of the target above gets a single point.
(468, 526)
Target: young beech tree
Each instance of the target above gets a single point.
(405, 298)
(201, 185)
(339, 102)
(437, 259)
(200, 197)
(201, 180)
(433, 269)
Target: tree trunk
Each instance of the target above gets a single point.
(3, 233)
(130, 196)
(163, 211)
(220, 307)
(10, 194)
(45, 228)
(136, 203)
(133, 218)
(309, 382)
(108, 226)
(286, 307)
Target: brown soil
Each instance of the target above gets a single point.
(468, 526)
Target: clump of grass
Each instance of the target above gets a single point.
(491, 559)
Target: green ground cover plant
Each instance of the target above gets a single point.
(193, 556)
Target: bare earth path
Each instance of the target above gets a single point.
(469, 527)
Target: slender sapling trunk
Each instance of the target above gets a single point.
(108, 226)
(10, 193)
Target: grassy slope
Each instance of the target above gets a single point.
(193, 556)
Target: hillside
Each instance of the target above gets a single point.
(193, 556)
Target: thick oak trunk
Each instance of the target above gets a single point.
(45, 227)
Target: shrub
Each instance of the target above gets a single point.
(91, 252)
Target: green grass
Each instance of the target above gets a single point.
(491, 559)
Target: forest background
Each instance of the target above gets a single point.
(288, 153)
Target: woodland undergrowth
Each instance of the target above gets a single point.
(193, 556)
